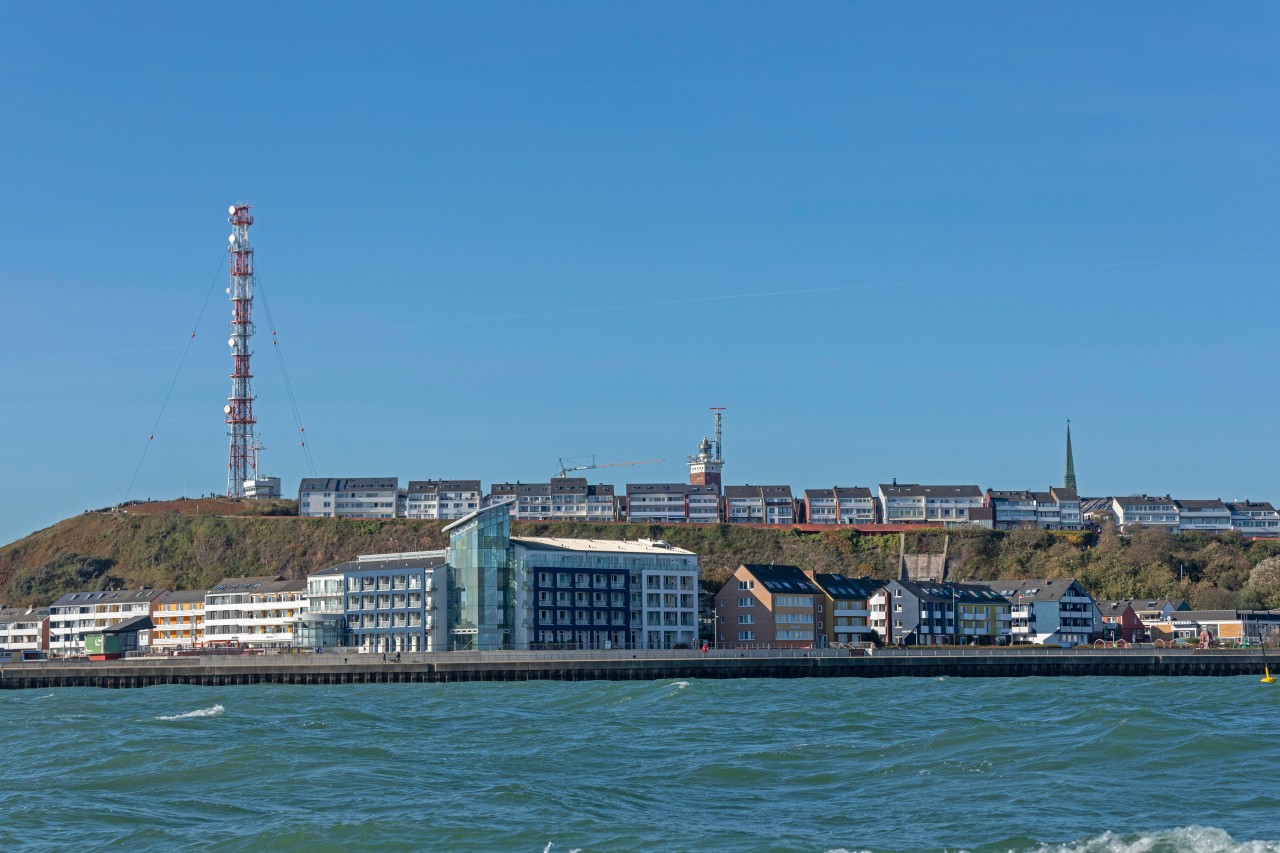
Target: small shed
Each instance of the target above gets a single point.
(114, 642)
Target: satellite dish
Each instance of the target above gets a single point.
(226, 409)
(231, 209)
(228, 290)
(231, 238)
(231, 342)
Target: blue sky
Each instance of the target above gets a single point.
(894, 241)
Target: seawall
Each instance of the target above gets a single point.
(352, 668)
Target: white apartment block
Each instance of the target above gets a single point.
(561, 499)
(177, 620)
(840, 505)
(662, 586)
(388, 602)
(1211, 516)
(442, 499)
(1056, 509)
(759, 505)
(672, 503)
(1145, 510)
(24, 629)
(255, 612)
(1048, 611)
(369, 497)
(1254, 518)
(76, 614)
(909, 503)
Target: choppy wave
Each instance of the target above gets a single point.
(199, 712)
(1189, 839)
(1033, 765)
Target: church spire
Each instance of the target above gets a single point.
(1070, 480)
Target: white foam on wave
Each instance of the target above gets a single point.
(680, 685)
(199, 712)
(1187, 839)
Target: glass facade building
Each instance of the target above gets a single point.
(481, 582)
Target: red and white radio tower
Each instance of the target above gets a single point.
(242, 464)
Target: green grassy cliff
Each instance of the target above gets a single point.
(175, 546)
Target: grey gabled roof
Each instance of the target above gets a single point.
(137, 623)
(1207, 504)
(915, 490)
(430, 487)
(781, 579)
(1245, 506)
(838, 492)
(841, 587)
(9, 615)
(339, 484)
(179, 596)
(261, 584)
(118, 596)
(419, 560)
(1031, 589)
(1140, 500)
(749, 491)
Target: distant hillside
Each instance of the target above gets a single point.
(191, 544)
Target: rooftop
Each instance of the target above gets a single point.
(603, 546)
(781, 578)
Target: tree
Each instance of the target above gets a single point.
(1264, 582)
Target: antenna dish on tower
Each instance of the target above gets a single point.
(231, 238)
(231, 209)
(226, 410)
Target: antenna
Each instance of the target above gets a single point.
(242, 459)
(719, 410)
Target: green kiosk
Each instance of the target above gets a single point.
(114, 642)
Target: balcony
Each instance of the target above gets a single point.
(851, 611)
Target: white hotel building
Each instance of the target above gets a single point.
(840, 505)
(368, 497)
(672, 503)
(257, 612)
(442, 499)
(908, 503)
(76, 614)
(24, 629)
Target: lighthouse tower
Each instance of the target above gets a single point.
(706, 465)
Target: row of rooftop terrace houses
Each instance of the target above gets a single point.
(574, 499)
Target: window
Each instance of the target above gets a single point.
(746, 585)
(746, 636)
(746, 618)
(746, 601)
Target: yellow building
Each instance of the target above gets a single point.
(178, 620)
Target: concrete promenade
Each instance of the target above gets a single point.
(625, 665)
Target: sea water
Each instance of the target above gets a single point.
(813, 765)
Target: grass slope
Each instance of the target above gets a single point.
(180, 545)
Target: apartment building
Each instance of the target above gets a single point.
(672, 503)
(840, 505)
(907, 503)
(1119, 621)
(368, 497)
(571, 592)
(77, 614)
(767, 605)
(177, 620)
(561, 499)
(254, 612)
(759, 505)
(387, 602)
(1049, 611)
(1208, 516)
(843, 611)
(934, 614)
(1056, 509)
(1254, 518)
(442, 499)
(1145, 510)
(24, 629)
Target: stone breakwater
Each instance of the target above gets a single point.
(337, 668)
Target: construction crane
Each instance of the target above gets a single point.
(565, 469)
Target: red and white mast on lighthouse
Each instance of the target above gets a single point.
(242, 463)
